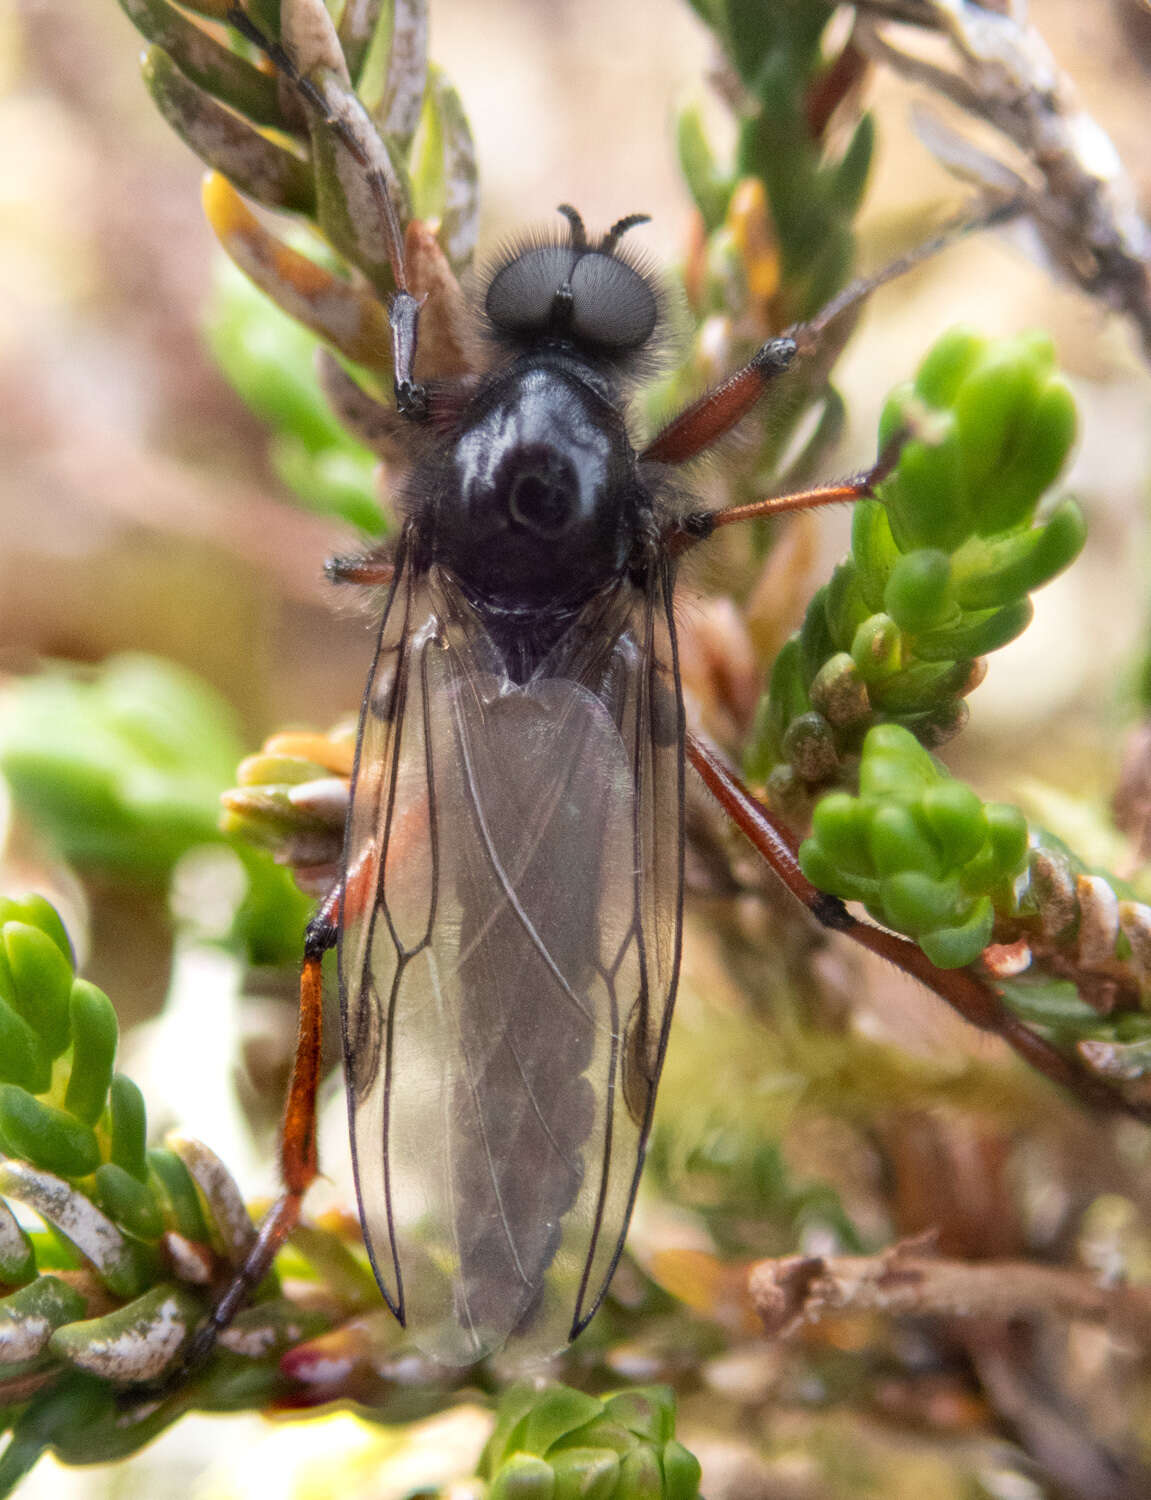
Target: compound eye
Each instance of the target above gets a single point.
(521, 294)
(614, 306)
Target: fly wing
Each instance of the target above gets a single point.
(508, 963)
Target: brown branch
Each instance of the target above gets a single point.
(907, 1281)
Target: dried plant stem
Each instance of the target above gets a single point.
(906, 1280)
(997, 67)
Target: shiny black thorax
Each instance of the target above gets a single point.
(537, 503)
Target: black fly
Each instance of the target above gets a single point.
(508, 916)
(510, 926)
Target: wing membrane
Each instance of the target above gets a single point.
(509, 962)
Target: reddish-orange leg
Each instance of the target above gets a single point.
(298, 1159)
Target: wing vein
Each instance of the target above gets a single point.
(502, 876)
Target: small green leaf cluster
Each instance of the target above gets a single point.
(269, 360)
(564, 1445)
(65, 1112)
(106, 1294)
(238, 120)
(942, 560)
(777, 52)
(122, 769)
(920, 850)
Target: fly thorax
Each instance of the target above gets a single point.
(539, 499)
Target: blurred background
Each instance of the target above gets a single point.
(139, 513)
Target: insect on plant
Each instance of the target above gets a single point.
(509, 913)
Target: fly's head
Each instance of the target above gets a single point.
(590, 300)
(539, 498)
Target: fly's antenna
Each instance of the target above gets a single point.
(338, 118)
(617, 231)
(576, 224)
(611, 239)
(808, 335)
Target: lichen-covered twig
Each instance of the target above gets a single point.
(994, 65)
(907, 1280)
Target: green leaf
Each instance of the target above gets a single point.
(38, 983)
(873, 551)
(48, 1137)
(953, 947)
(24, 1059)
(918, 593)
(916, 903)
(708, 182)
(926, 497)
(585, 1474)
(648, 1411)
(849, 177)
(38, 912)
(640, 1477)
(975, 635)
(180, 1193)
(264, 171)
(898, 843)
(203, 61)
(681, 1473)
(29, 1317)
(136, 1343)
(523, 1476)
(95, 1032)
(556, 1413)
(948, 363)
(127, 1127)
(129, 1202)
(988, 572)
(956, 819)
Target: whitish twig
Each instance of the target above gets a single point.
(995, 65)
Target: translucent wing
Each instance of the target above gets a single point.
(508, 960)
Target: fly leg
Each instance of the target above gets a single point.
(349, 122)
(374, 569)
(687, 531)
(973, 997)
(702, 424)
(298, 1162)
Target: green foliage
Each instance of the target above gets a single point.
(920, 850)
(733, 1173)
(560, 1444)
(66, 1120)
(777, 51)
(270, 361)
(942, 562)
(95, 1299)
(407, 122)
(778, 214)
(123, 769)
